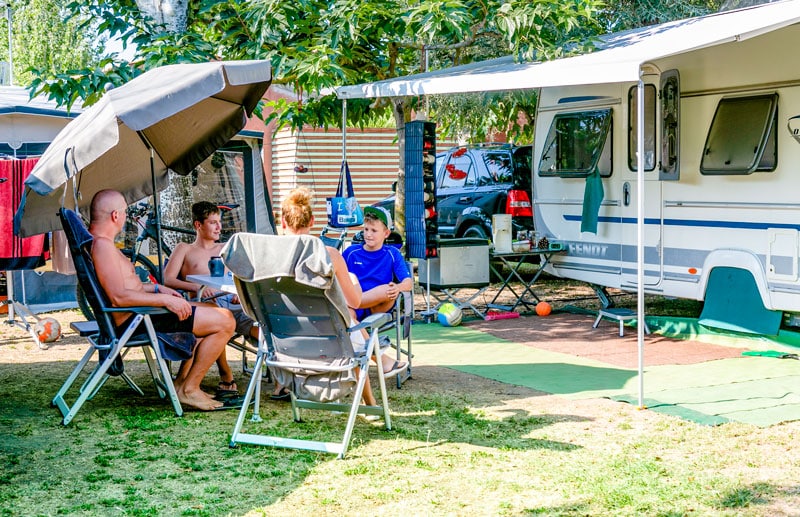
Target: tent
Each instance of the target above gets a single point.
(619, 58)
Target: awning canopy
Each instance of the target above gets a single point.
(619, 58)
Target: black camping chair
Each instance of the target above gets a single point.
(330, 237)
(111, 343)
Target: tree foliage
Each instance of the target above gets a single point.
(629, 14)
(43, 39)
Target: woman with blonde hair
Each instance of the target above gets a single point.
(297, 218)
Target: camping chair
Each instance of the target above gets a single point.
(333, 241)
(288, 285)
(104, 338)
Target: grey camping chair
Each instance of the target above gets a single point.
(112, 343)
(287, 284)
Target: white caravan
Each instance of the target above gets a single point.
(721, 140)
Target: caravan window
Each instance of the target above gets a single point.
(649, 127)
(577, 143)
(742, 139)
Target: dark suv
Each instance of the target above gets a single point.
(477, 181)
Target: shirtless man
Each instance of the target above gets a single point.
(192, 259)
(213, 326)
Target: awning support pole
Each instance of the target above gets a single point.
(640, 233)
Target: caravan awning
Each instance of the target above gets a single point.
(619, 58)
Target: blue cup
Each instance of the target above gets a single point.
(216, 267)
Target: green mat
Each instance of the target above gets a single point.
(757, 390)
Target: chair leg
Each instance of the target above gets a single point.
(253, 390)
(165, 377)
(89, 387)
(597, 321)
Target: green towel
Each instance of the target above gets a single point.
(592, 198)
(770, 353)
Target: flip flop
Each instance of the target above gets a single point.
(397, 367)
(231, 403)
(282, 396)
(225, 390)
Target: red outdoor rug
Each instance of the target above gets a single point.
(573, 334)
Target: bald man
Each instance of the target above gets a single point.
(212, 325)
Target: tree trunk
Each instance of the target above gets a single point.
(169, 13)
(402, 113)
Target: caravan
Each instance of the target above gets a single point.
(721, 156)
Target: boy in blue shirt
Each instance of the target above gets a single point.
(380, 269)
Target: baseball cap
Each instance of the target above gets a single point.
(381, 214)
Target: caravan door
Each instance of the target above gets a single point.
(653, 222)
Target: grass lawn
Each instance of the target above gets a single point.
(461, 445)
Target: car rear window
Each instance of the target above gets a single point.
(498, 165)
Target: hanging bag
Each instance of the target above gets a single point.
(343, 209)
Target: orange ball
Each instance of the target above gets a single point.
(543, 308)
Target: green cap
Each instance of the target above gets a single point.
(381, 214)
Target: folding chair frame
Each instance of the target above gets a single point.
(118, 348)
(354, 409)
(103, 338)
(333, 242)
(403, 316)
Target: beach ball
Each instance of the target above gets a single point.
(48, 330)
(449, 315)
(543, 309)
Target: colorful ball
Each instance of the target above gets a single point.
(543, 309)
(449, 315)
(47, 329)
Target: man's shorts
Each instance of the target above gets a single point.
(166, 323)
(243, 322)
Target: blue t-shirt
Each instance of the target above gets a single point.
(374, 268)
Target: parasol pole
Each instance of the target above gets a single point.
(155, 204)
(157, 212)
(344, 130)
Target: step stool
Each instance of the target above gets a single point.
(621, 315)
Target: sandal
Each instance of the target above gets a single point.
(283, 395)
(396, 368)
(226, 390)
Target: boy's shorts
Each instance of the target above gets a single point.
(243, 322)
(362, 313)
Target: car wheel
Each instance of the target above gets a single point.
(475, 231)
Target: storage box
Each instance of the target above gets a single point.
(461, 263)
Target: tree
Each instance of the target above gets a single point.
(315, 45)
(629, 14)
(42, 39)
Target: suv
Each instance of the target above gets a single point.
(477, 181)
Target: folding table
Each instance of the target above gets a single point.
(514, 261)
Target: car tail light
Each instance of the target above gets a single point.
(518, 204)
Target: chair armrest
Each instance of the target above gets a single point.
(138, 310)
(373, 320)
(408, 302)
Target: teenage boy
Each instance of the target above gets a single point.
(192, 259)
(380, 269)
